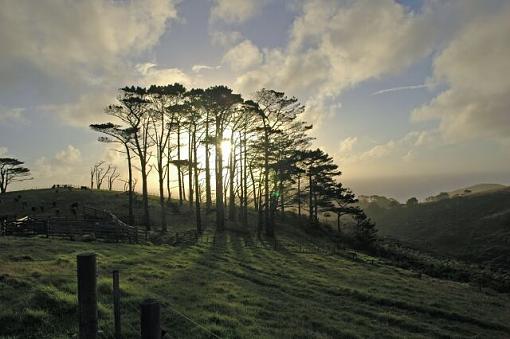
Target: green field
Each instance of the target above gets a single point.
(236, 291)
(240, 288)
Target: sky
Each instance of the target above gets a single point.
(410, 97)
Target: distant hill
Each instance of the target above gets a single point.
(480, 188)
(474, 227)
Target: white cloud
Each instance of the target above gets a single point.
(243, 57)
(87, 109)
(150, 74)
(405, 147)
(347, 144)
(337, 45)
(79, 39)
(199, 68)
(400, 88)
(379, 151)
(235, 11)
(70, 155)
(12, 115)
(3, 150)
(64, 165)
(474, 67)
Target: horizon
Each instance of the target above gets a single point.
(418, 107)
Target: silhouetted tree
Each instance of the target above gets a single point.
(365, 229)
(123, 136)
(412, 201)
(11, 170)
(221, 103)
(134, 111)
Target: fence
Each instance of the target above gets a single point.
(95, 225)
(149, 313)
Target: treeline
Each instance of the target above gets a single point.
(269, 167)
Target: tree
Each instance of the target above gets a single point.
(124, 136)
(342, 203)
(221, 103)
(275, 110)
(365, 229)
(411, 202)
(112, 177)
(134, 112)
(11, 170)
(161, 115)
(320, 170)
(98, 173)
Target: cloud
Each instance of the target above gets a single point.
(474, 67)
(64, 164)
(243, 57)
(80, 39)
(235, 11)
(324, 55)
(150, 74)
(404, 147)
(87, 109)
(398, 89)
(70, 155)
(12, 115)
(199, 68)
(347, 144)
(378, 151)
(3, 150)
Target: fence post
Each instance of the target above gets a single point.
(87, 295)
(150, 326)
(116, 304)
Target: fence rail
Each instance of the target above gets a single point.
(94, 225)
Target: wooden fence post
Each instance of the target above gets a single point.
(116, 304)
(150, 326)
(87, 295)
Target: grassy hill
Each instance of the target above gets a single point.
(42, 203)
(479, 188)
(475, 227)
(238, 287)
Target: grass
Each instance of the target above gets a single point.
(474, 228)
(235, 291)
(231, 290)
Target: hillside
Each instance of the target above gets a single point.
(235, 291)
(479, 188)
(234, 287)
(475, 227)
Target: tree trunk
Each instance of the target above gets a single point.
(179, 181)
(232, 201)
(130, 186)
(282, 198)
(267, 219)
(220, 208)
(208, 197)
(299, 194)
(197, 187)
(245, 185)
(310, 201)
(168, 189)
(190, 169)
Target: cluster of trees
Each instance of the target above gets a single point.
(102, 171)
(227, 153)
(12, 170)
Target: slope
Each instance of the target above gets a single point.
(475, 227)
